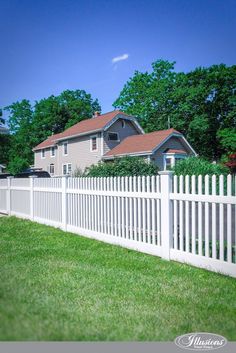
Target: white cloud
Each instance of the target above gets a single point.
(120, 58)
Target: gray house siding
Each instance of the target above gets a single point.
(173, 143)
(79, 154)
(44, 163)
(128, 130)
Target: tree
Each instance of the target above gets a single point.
(198, 103)
(20, 121)
(30, 125)
(56, 113)
(227, 139)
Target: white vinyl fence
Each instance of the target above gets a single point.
(187, 219)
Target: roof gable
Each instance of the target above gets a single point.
(141, 144)
(85, 127)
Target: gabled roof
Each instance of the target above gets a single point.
(141, 144)
(48, 143)
(83, 127)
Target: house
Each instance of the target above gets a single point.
(164, 148)
(4, 130)
(2, 168)
(105, 137)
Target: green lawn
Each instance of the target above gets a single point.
(59, 286)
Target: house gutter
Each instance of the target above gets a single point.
(147, 153)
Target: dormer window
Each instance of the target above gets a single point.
(123, 123)
(113, 136)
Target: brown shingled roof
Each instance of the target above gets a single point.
(84, 126)
(49, 142)
(140, 143)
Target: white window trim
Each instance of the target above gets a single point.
(64, 143)
(173, 157)
(66, 164)
(114, 132)
(42, 157)
(51, 152)
(50, 168)
(91, 143)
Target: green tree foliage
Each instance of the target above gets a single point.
(31, 124)
(126, 166)
(20, 124)
(198, 103)
(227, 138)
(198, 166)
(56, 113)
(5, 141)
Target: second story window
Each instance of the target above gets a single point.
(93, 145)
(52, 151)
(123, 123)
(65, 148)
(113, 136)
(43, 153)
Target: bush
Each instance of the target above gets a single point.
(198, 166)
(126, 166)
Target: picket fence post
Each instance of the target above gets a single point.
(9, 194)
(166, 213)
(31, 178)
(63, 202)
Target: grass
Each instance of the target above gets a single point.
(59, 286)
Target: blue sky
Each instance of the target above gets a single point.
(48, 46)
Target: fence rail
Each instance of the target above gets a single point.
(188, 219)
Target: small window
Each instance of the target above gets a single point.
(94, 143)
(69, 168)
(51, 169)
(52, 151)
(123, 123)
(168, 163)
(64, 169)
(65, 148)
(113, 136)
(43, 153)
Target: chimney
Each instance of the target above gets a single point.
(96, 114)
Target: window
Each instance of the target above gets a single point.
(51, 169)
(65, 148)
(43, 154)
(113, 136)
(123, 123)
(168, 163)
(66, 169)
(93, 145)
(52, 151)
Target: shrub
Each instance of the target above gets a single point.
(77, 173)
(198, 166)
(126, 166)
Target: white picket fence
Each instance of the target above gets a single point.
(187, 219)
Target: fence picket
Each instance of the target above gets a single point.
(214, 218)
(200, 216)
(207, 217)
